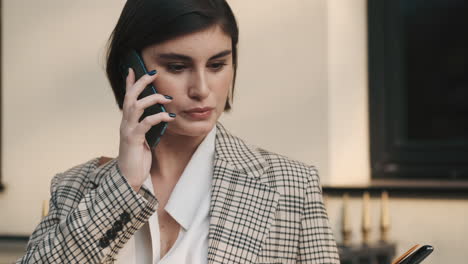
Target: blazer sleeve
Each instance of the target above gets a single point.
(316, 243)
(102, 222)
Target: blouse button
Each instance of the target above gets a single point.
(118, 226)
(111, 234)
(104, 242)
(125, 217)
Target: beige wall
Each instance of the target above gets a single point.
(58, 110)
(348, 154)
(281, 94)
(301, 91)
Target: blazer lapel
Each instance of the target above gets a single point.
(242, 207)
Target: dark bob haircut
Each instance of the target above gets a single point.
(147, 22)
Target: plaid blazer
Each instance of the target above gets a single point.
(265, 208)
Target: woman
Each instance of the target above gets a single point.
(202, 195)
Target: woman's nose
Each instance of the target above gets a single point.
(199, 85)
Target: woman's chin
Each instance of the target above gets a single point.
(191, 128)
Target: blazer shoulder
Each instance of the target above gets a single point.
(284, 167)
(276, 159)
(293, 179)
(76, 175)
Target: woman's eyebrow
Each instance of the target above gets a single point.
(221, 54)
(176, 56)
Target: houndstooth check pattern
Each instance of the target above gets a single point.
(265, 208)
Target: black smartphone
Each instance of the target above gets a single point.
(415, 255)
(132, 59)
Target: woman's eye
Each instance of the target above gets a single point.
(217, 66)
(176, 67)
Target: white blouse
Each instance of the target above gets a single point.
(189, 205)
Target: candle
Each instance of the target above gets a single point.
(384, 217)
(366, 218)
(346, 225)
(45, 208)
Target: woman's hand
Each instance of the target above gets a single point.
(135, 155)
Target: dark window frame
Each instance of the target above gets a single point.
(393, 155)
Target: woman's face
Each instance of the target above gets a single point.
(197, 71)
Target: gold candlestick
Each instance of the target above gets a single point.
(366, 218)
(45, 208)
(345, 224)
(384, 218)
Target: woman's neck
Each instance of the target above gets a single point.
(172, 155)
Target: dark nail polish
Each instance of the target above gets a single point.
(151, 73)
(168, 97)
(172, 115)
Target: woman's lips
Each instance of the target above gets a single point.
(199, 113)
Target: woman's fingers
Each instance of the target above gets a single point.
(152, 120)
(137, 109)
(134, 152)
(135, 90)
(130, 80)
(131, 129)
